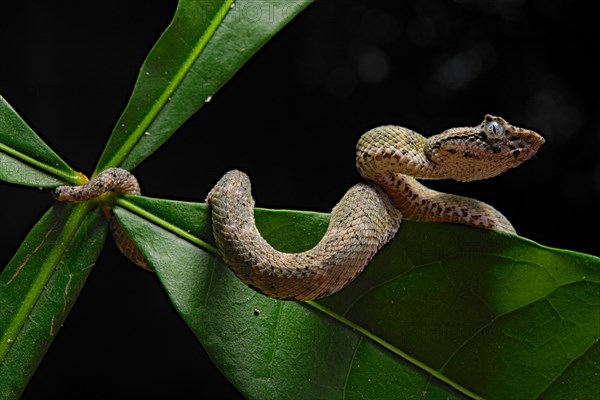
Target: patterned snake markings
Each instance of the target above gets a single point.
(113, 179)
(391, 159)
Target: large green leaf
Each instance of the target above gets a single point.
(39, 286)
(443, 309)
(207, 42)
(25, 159)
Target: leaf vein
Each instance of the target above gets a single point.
(350, 364)
(571, 362)
(280, 306)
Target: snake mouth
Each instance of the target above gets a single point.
(534, 141)
(523, 152)
(526, 145)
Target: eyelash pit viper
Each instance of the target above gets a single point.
(391, 159)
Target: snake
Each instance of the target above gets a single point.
(117, 180)
(392, 160)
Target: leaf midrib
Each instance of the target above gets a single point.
(68, 232)
(119, 157)
(387, 345)
(73, 179)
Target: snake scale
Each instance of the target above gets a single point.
(113, 179)
(391, 159)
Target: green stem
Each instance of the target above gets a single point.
(74, 179)
(67, 233)
(167, 225)
(393, 349)
(120, 156)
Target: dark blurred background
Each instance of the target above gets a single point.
(291, 118)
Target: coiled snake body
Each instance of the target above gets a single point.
(113, 179)
(391, 159)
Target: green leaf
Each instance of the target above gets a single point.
(39, 286)
(443, 309)
(207, 42)
(25, 159)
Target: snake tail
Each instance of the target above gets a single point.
(361, 223)
(117, 180)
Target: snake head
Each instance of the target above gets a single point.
(483, 151)
(521, 143)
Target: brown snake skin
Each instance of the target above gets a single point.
(391, 158)
(113, 179)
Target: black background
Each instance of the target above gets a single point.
(291, 118)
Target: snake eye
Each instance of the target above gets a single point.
(493, 129)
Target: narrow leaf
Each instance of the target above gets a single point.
(444, 310)
(25, 159)
(207, 42)
(39, 286)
